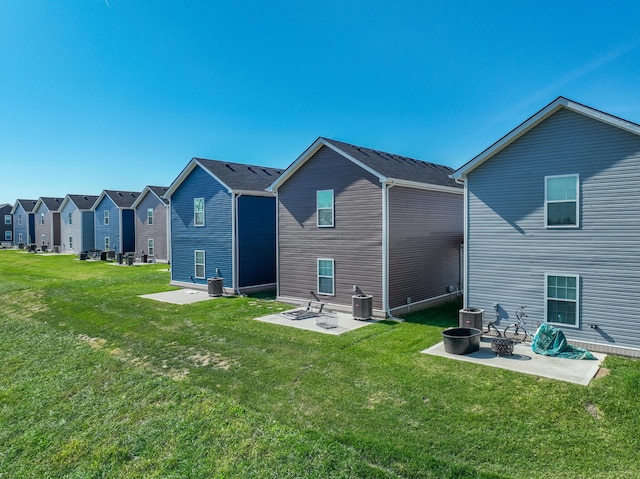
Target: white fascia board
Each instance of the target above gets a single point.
(141, 196)
(297, 163)
(357, 162)
(423, 186)
(38, 203)
(268, 194)
(95, 205)
(66, 200)
(533, 121)
(181, 177)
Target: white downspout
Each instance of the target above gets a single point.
(385, 249)
(465, 247)
(277, 244)
(234, 244)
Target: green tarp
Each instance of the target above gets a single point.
(550, 341)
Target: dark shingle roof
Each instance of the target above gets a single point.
(122, 199)
(52, 203)
(399, 167)
(160, 191)
(83, 202)
(28, 205)
(239, 176)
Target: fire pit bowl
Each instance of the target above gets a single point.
(461, 340)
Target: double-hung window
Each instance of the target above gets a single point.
(8, 235)
(20, 238)
(70, 218)
(199, 264)
(324, 207)
(107, 243)
(561, 201)
(43, 239)
(41, 218)
(562, 293)
(198, 211)
(20, 220)
(106, 217)
(150, 216)
(7, 219)
(151, 247)
(326, 277)
(70, 242)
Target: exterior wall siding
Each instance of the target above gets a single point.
(112, 230)
(425, 234)
(73, 230)
(214, 238)
(6, 210)
(88, 231)
(127, 218)
(355, 241)
(510, 250)
(157, 231)
(21, 228)
(45, 229)
(256, 240)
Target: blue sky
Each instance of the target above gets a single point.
(115, 94)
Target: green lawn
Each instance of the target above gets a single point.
(97, 382)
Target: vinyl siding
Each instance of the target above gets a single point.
(425, 233)
(127, 217)
(88, 231)
(74, 230)
(355, 242)
(112, 230)
(256, 240)
(47, 228)
(510, 250)
(157, 231)
(23, 228)
(3, 227)
(214, 238)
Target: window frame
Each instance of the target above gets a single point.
(20, 238)
(196, 264)
(8, 235)
(70, 242)
(575, 301)
(19, 220)
(150, 216)
(70, 218)
(106, 217)
(151, 247)
(548, 202)
(332, 277)
(107, 243)
(41, 218)
(196, 211)
(43, 239)
(332, 209)
(8, 219)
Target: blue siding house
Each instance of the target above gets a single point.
(24, 227)
(551, 222)
(223, 225)
(6, 225)
(114, 221)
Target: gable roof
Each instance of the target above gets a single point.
(533, 121)
(82, 202)
(157, 191)
(388, 167)
(122, 199)
(52, 203)
(235, 177)
(27, 205)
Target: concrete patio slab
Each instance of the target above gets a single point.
(180, 296)
(524, 360)
(344, 321)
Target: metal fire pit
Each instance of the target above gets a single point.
(502, 346)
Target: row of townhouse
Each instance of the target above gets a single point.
(546, 217)
(78, 223)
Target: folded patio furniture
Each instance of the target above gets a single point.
(550, 341)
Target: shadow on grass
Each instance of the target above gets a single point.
(443, 315)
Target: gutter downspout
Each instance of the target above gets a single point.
(465, 244)
(234, 245)
(277, 243)
(385, 248)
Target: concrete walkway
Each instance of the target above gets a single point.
(524, 360)
(180, 296)
(334, 323)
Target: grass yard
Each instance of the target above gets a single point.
(97, 382)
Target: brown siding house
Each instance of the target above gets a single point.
(353, 219)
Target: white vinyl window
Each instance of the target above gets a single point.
(20, 238)
(326, 277)
(561, 201)
(150, 216)
(198, 211)
(41, 218)
(70, 242)
(151, 247)
(107, 243)
(106, 217)
(70, 218)
(199, 264)
(562, 294)
(20, 220)
(7, 219)
(8, 235)
(43, 239)
(324, 207)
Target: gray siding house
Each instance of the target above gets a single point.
(152, 223)
(353, 219)
(551, 222)
(77, 223)
(47, 222)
